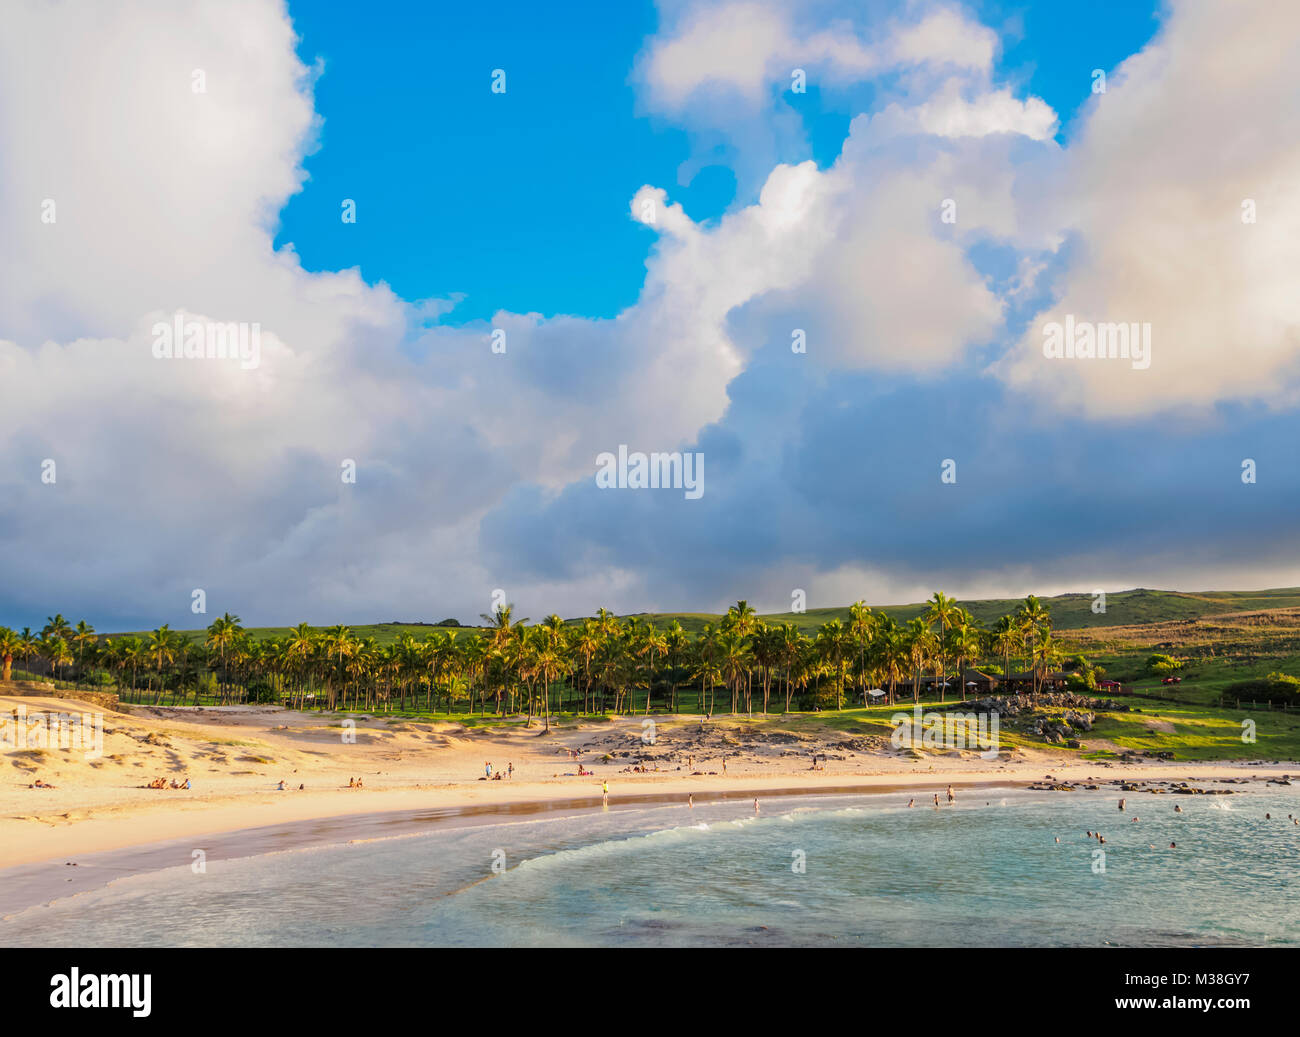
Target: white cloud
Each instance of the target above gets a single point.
(181, 474)
(1202, 119)
(748, 48)
(951, 114)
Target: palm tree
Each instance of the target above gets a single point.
(28, 645)
(653, 644)
(163, 643)
(707, 652)
(221, 634)
(733, 660)
(861, 627)
(676, 644)
(1006, 639)
(83, 637)
(587, 642)
(55, 648)
(1032, 618)
(967, 641)
(135, 652)
(299, 649)
(57, 626)
(800, 661)
(832, 644)
(550, 660)
(1047, 653)
(943, 610)
(10, 645)
(768, 646)
(920, 650)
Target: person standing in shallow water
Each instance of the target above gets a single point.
(951, 798)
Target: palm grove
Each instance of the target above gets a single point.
(740, 663)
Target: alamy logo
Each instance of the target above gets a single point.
(73, 990)
(40, 730)
(208, 340)
(1081, 340)
(638, 471)
(946, 730)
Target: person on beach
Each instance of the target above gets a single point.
(510, 770)
(487, 770)
(604, 793)
(690, 801)
(280, 787)
(951, 797)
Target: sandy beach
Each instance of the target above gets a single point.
(236, 757)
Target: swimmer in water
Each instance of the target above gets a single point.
(1178, 809)
(911, 802)
(936, 799)
(1121, 804)
(951, 798)
(756, 806)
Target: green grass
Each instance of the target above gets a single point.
(1069, 612)
(1201, 733)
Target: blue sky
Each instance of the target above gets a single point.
(518, 201)
(771, 212)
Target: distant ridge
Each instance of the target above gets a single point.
(1071, 611)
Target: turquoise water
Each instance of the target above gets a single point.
(986, 872)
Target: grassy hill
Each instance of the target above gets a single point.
(1069, 612)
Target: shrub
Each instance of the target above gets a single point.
(1081, 683)
(1162, 665)
(1276, 687)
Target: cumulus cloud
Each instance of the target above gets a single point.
(748, 49)
(474, 466)
(1191, 134)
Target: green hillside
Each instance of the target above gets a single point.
(1069, 612)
